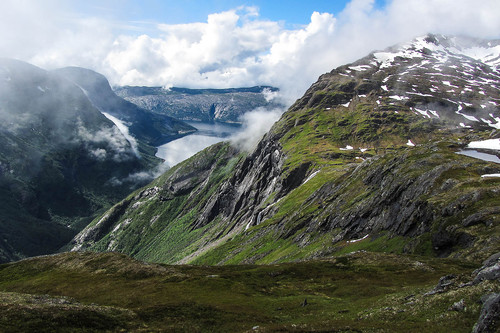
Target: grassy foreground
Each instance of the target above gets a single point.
(357, 292)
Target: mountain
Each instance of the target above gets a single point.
(206, 105)
(154, 129)
(61, 161)
(370, 158)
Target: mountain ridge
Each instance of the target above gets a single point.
(154, 129)
(206, 105)
(336, 172)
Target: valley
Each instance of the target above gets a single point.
(371, 205)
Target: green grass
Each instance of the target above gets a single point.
(110, 292)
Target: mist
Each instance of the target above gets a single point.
(256, 123)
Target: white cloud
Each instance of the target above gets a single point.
(117, 145)
(256, 123)
(232, 48)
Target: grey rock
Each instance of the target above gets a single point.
(458, 306)
(444, 283)
(489, 318)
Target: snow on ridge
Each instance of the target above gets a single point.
(360, 68)
(125, 132)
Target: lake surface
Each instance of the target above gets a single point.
(208, 134)
(480, 155)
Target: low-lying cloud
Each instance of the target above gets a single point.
(116, 146)
(256, 123)
(232, 48)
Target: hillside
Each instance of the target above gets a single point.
(205, 105)
(154, 129)
(61, 161)
(367, 159)
(359, 292)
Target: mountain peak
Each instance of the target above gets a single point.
(444, 48)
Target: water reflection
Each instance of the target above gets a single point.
(208, 134)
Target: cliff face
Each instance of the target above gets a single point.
(367, 159)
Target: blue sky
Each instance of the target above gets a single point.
(290, 12)
(226, 43)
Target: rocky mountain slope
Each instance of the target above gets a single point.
(152, 128)
(367, 159)
(61, 161)
(206, 105)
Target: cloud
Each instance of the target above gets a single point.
(117, 146)
(124, 130)
(256, 123)
(235, 47)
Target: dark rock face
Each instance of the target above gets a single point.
(489, 319)
(257, 178)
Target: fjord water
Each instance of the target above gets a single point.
(208, 134)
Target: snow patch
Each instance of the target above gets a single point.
(360, 68)
(472, 118)
(358, 240)
(398, 98)
(423, 113)
(311, 176)
(486, 144)
(491, 175)
(479, 155)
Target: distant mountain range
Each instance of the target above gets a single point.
(206, 105)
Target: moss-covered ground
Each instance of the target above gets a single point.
(355, 292)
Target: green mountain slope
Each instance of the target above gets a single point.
(61, 161)
(367, 159)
